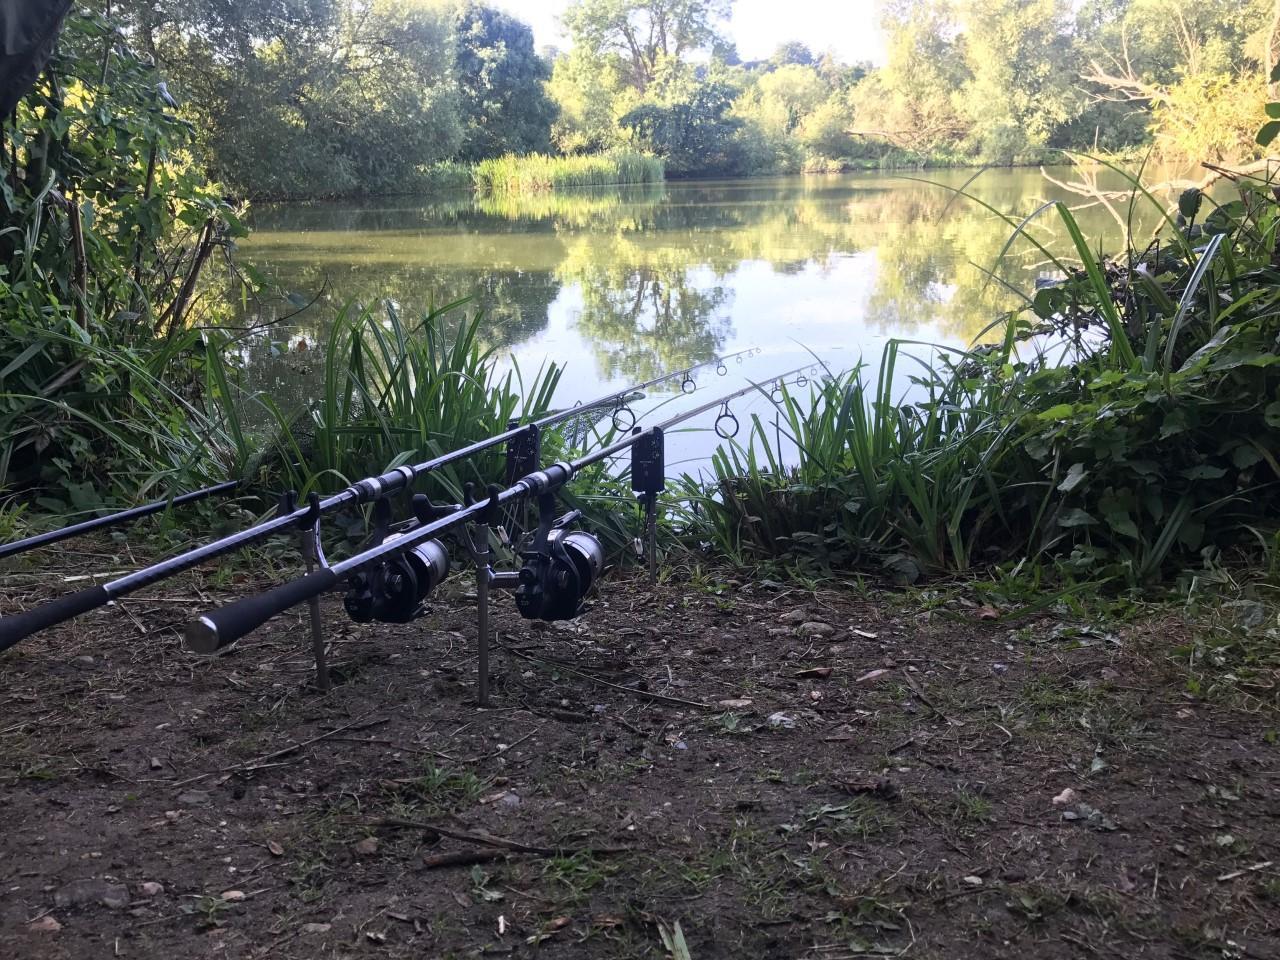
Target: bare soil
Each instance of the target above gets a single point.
(704, 769)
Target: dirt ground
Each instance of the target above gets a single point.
(703, 769)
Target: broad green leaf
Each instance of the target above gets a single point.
(1075, 517)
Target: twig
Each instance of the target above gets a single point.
(924, 698)
(617, 686)
(461, 858)
(488, 839)
(267, 758)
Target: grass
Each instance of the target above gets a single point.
(398, 392)
(1122, 431)
(539, 173)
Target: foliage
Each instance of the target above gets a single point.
(644, 36)
(347, 97)
(539, 173)
(502, 80)
(1126, 428)
(690, 127)
(397, 392)
(106, 230)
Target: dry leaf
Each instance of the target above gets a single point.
(820, 673)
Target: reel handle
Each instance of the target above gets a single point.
(17, 627)
(224, 626)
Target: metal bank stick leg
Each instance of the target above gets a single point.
(651, 534)
(648, 479)
(311, 549)
(480, 549)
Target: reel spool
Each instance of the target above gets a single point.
(396, 591)
(554, 583)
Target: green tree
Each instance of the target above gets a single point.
(342, 97)
(1019, 53)
(689, 124)
(641, 34)
(910, 102)
(502, 83)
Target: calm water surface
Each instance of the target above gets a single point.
(624, 285)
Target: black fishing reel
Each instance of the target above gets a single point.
(397, 590)
(558, 572)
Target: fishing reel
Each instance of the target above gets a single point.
(559, 570)
(396, 591)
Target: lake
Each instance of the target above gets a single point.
(623, 285)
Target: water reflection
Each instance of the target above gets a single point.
(624, 285)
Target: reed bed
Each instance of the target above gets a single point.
(539, 173)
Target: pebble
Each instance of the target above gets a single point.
(794, 617)
(80, 892)
(151, 889)
(45, 924)
(193, 798)
(316, 927)
(233, 896)
(816, 628)
(366, 847)
(736, 704)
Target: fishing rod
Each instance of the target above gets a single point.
(113, 519)
(523, 449)
(390, 580)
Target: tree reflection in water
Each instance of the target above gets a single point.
(651, 279)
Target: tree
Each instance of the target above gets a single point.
(502, 85)
(792, 53)
(910, 102)
(309, 97)
(643, 33)
(691, 127)
(1022, 86)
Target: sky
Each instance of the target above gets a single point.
(758, 26)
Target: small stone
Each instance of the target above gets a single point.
(233, 896)
(85, 661)
(151, 889)
(781, 720)
(816, 628)
(973, 881)
(999, 668)
(156, 764)
(81, 892)
(172, 815)
(45, 924)
(736, 704)
(794, 617)
(275, 848)
(316, 927)
(193, 798)
(366, 847)
(1066, 796)
(510, 799)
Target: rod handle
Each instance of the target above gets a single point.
(19, 626)
(224, 626)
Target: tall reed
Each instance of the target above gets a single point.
(539, 173)
(397, 392)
